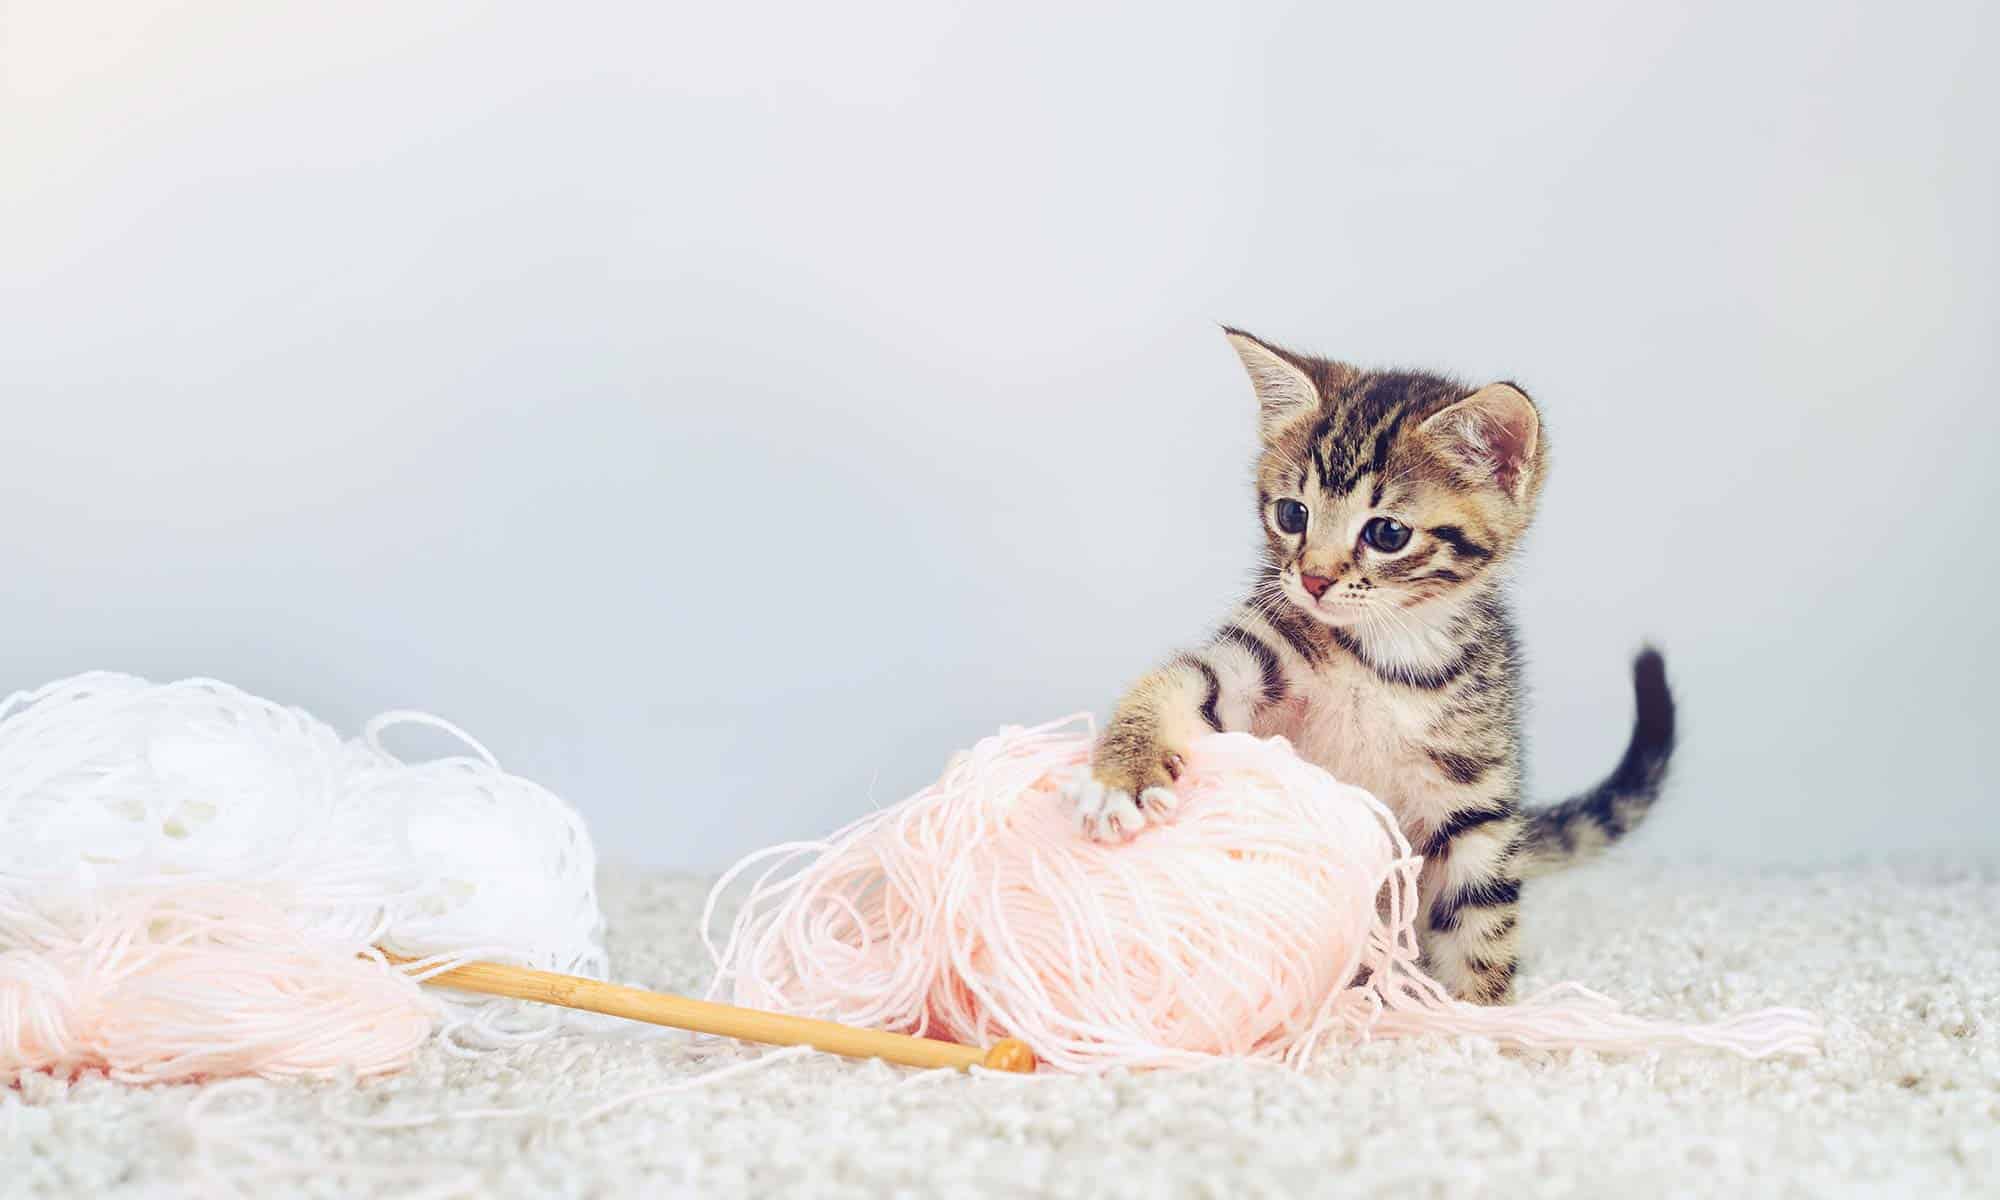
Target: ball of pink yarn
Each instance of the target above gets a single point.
(1274, 915)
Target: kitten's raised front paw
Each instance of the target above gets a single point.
(1111, 806)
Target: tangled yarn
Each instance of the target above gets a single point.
(1275, 917)
(194, 881)
(190, 876)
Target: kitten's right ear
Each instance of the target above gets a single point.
(1283, 388)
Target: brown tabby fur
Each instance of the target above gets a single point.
(1404, 677)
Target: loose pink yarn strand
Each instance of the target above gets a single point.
(973, 910)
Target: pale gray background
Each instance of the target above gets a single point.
(728, 410)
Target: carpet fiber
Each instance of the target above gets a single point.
(1904, 963)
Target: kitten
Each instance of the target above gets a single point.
(1378, 641)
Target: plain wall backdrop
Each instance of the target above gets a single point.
(726, 411)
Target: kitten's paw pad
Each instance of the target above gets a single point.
(1106, 813)
(1103, 814)
(1119, 819)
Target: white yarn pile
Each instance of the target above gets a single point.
(127, 801)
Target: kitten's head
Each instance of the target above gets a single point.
(1387, 492)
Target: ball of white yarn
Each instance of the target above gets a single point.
(108, 781)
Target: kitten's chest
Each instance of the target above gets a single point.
(1366, 734)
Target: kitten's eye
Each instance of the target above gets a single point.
(1291, 516)
(1386, 535)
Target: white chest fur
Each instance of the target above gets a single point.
(1369, 734)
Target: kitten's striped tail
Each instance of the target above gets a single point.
(1577, 829)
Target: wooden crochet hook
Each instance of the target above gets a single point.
(725, 1020)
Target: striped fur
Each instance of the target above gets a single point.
(1404, 674)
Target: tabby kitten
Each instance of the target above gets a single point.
(1378, 640)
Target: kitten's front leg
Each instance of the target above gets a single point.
(1137, 759)
(1470, 932)
(1140, 753)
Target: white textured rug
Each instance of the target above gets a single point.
(1904, 963)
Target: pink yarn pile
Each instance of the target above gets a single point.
(1274, 918)
(194, 982)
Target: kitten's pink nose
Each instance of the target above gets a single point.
(1316, 584)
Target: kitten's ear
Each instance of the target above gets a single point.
(1490, 436)
(1283, 388)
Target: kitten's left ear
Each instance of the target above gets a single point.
(1490, 436)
